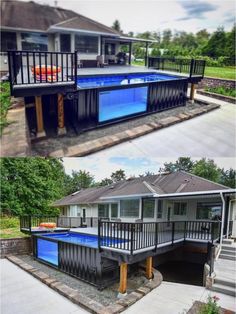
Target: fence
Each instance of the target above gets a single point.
(133, 237)
(190, 66)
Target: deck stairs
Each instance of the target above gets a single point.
(225, 269)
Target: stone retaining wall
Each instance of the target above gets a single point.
(216, 82)
(229, 99)
(15, 246)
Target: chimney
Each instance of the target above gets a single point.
(55, 3)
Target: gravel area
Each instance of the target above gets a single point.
(106, 297)
(46, 146)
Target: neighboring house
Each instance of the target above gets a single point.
(35, 27)
(163, 197)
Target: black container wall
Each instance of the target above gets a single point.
(162, 95)
(82, 262)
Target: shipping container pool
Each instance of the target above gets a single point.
(105, 99)
(76, 254)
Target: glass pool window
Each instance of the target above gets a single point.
(114, 210)
(47, 251)
(103, 210)
(86, 44)
(34, 41)
(148, 208)
(122, 102)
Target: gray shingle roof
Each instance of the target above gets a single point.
(34, 16)
(177, 182)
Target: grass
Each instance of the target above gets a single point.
(222, 91)
(4, 104)
(218, 72)
(10, 228)
(223, 72)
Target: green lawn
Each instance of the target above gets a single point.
(226, 72)
(10, 228)
(220, 72)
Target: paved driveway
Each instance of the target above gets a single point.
(210, 135)
(175, 298)
(21, 293)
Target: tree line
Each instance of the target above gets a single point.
(31, 185)
(217, 48)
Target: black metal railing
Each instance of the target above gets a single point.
(133, 237)
(31, 67)
(210, 256)
(192, 67)
(29, 223)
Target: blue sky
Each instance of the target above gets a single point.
(102, 166)
(152, 15)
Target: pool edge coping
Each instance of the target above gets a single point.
(93, 146)
(83, 301)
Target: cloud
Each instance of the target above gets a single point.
(229, 19)
(196, 10)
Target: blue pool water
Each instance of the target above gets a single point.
(116, 80)
(48, 250)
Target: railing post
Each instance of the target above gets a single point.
(132, 239)
(75, 68)
(191, 68)
(185, 229)
(30, 223)
(156, 235)
(91, 221)
(99, 235)
(173, 232)
(212, 231)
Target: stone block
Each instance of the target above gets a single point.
(143, 290)
(113, 309)
(169, 121)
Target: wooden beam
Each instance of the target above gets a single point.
(123, 278)
(60, 114)
(39, 116)
(149, 267)
(192, 92)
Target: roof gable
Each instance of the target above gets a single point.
(34, 16)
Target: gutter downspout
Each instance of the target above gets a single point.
(227, 231)
(222, 219)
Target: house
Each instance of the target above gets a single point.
(178, 196)
(30, 26)
(152, 219)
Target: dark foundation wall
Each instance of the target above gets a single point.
(187, 253)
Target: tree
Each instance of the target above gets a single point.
(116, 26)
(31, 185)
(183, 163)
(228, 178)
(118, 175)
(216, 45)
(206, 168)
(166, 38)
(79, 180)
(106, 181)
(230, 45)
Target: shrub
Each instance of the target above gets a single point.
(222, 91)
(9, 222)
(211, 307)
(4, 104)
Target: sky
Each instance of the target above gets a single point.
(154, 15)
(102, 167)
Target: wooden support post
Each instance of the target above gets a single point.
(149, 267)
(192, 92)
(123, 278)
(60, 115)
(39, 116)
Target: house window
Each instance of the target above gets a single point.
(8, 41)
(65, 42)
(129, 208)
(103, 210)
(148, 208)
(180, 209)
(114, 210)
(209, 211)
(34, 41)
(86, 44)
(159, 209)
